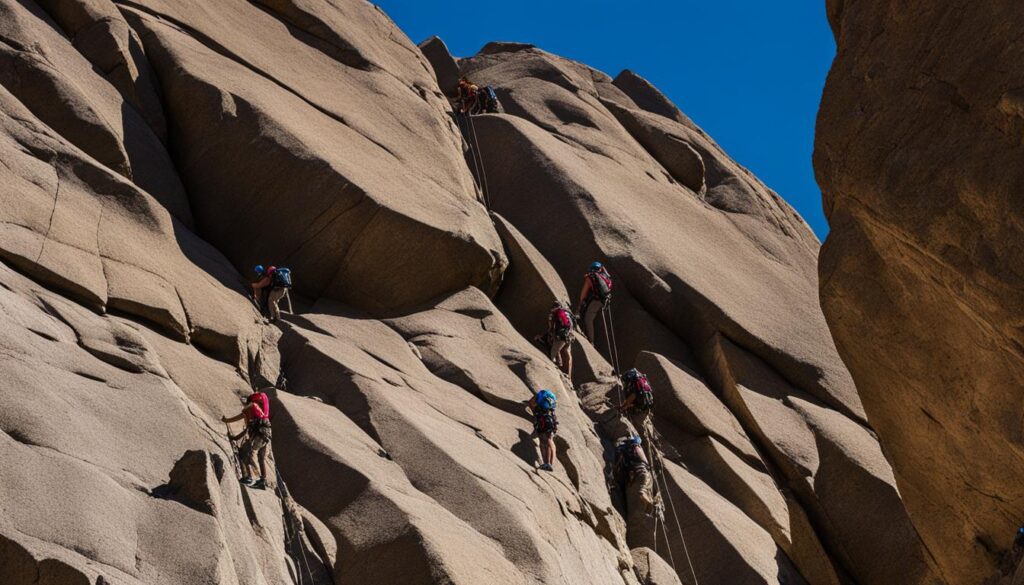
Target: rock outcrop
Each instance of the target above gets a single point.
(918, 155)
(151, 151)
(687, 264)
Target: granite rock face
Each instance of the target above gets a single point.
(918, 154)
(152, 151)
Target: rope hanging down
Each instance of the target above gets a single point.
(661, 470)
(290, 524)
(612, 359)
(612, 355)
(611, 326)
(478, 159)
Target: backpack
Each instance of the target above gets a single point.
(562, 323)
(602, 284)
(281, 278)
(490, 99)
(636, 383)
(262, 401)
(628, 458)
(545, 422)
(545, 400)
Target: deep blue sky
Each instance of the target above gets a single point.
(749, 72)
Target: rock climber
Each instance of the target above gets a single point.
(595, 294)
(633, 471)
(277, 282)
(639, 398)
(467, 95)
(545, 424)
(488, 100)
(560, 334)
(257, 434)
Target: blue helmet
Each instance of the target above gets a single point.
(259, 269)
(596, 266)
(630, 441)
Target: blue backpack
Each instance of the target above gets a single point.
(545, 400)
(282, 278)
(490, 100)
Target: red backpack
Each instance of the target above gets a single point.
(601, 283)
(562, 321)
(636, 383)
(263, 402)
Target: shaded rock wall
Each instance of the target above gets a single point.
(918, 155)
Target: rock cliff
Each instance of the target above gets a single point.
(919, 154)
(152, 151)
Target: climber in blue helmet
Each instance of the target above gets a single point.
(596, 292)
(633, 471)
(545, 424)
(276, 281)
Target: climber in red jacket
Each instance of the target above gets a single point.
(256, 413)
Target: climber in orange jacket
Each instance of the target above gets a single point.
(467, 94)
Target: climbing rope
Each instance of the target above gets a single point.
(463, 124)
(483, 168)
(293, 530)
(469, 134)
(611, 326)
(668, 544)
(612, 357)
(661, 469)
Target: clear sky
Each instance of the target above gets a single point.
(749, 72)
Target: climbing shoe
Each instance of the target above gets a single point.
(546, 467)
(246, 480)
(260, 484)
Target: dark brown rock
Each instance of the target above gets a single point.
(918, 154)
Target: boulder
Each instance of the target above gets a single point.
(674, 153)
(648, 97)
(652, 569)
(446, 70)
(918, 155)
